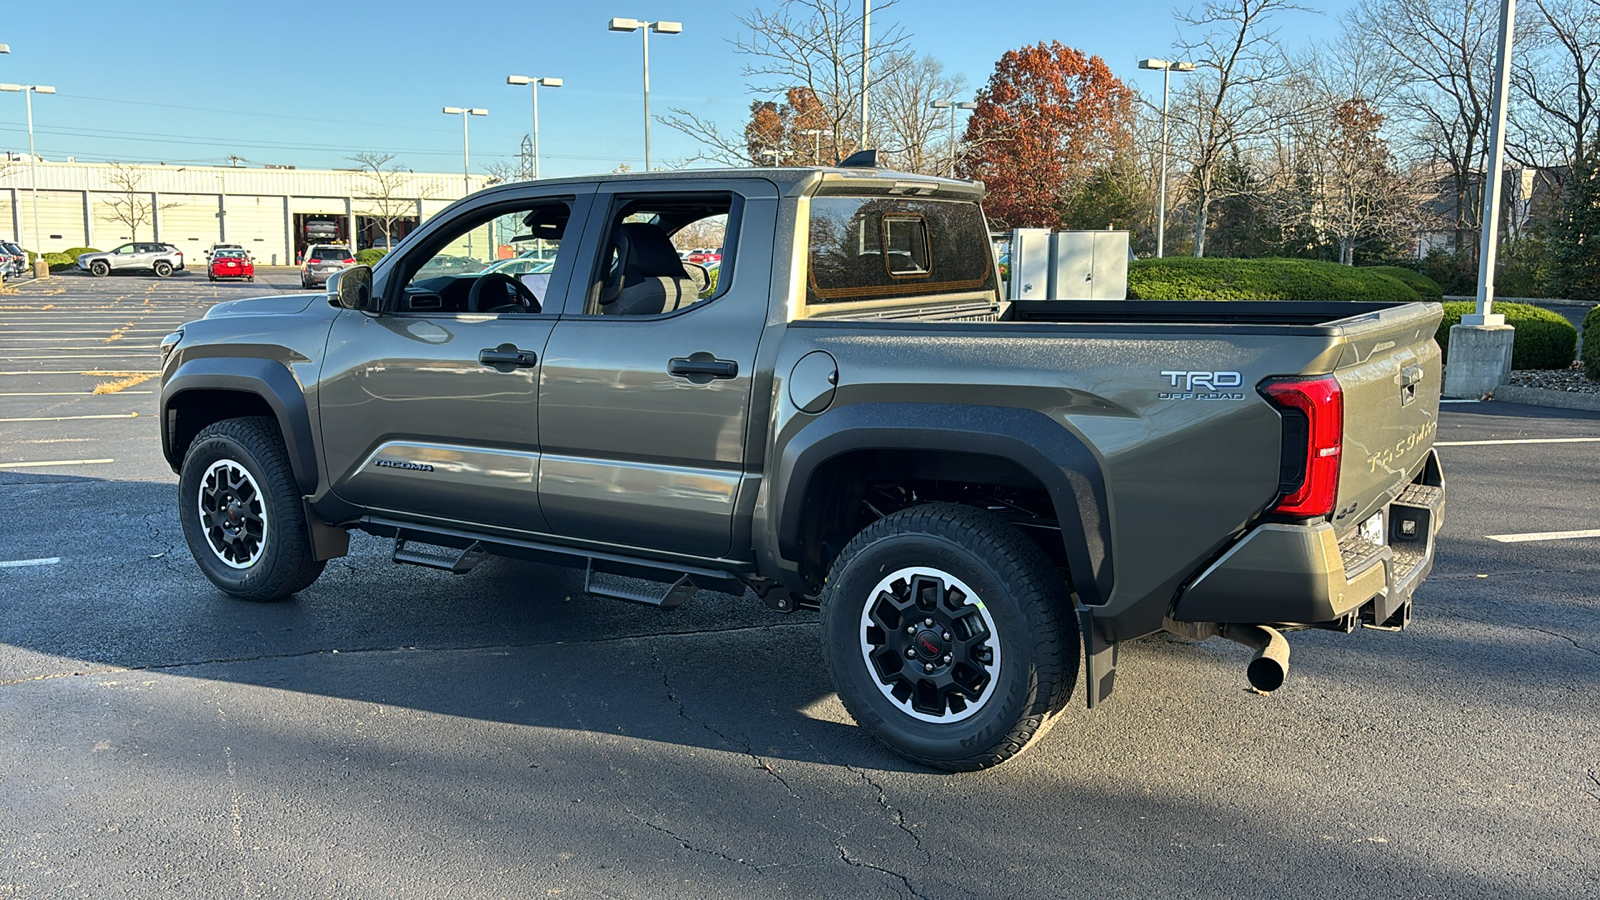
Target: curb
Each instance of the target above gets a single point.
(1532, 396)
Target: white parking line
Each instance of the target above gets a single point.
(24, 563)
(64, 393)
(76, 356)
(1582, 440)
(56, 462)
(132, 415)
(102, 374)
(1544, 536)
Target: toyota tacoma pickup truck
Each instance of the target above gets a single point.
(982, 498)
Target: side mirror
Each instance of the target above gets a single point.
(351, 288)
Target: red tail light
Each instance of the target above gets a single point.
(1313, 412)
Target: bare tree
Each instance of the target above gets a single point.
(915, 136)
(814, 45)
(384, 189)
(1444, 52)
(1556, 76)
(1233, 100)
(130, 205)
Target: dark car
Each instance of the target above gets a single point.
(13, 260)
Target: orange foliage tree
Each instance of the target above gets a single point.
(787, 134)
(1049, 118)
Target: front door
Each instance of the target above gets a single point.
(648, 378)
(429, 408)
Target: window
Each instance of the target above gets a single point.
(647, 268)
(511, 249)
(330, 254)
(892, 248)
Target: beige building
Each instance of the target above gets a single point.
(273, 213)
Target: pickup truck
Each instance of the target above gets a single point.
(981, 498)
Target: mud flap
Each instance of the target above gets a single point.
(1099, 659)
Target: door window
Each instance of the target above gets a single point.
(499, 262)
(644, 268)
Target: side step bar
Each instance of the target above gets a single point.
(676, 594)
(432, 556)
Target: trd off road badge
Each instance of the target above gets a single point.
(1202, 386)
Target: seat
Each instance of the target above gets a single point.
(649, 278)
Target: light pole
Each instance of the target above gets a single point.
(1166, 85)
(816, 142)
(535, 83)
(28, 90)
(953, 106)
(646, 27)
(463, 112)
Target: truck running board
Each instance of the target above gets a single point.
(458, 562)
(675, 595)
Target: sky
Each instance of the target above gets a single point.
(311, 85)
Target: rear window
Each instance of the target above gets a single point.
(885, 248)
(230, 254)
(326, 253)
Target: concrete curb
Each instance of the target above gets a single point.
(1532, 396)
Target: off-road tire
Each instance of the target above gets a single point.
(162, 269)
(1017, 588)
(282, 562)
(99, 268)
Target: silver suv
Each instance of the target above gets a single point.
(162, 259)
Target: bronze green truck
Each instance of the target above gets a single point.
(981, 497)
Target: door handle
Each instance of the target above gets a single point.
(507, 357)
(702, 367)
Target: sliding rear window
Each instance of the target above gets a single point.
(892, 248)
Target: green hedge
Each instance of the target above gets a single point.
(370, 256)
(76, 252)
(1544, 340)
(1591, 344)
(1187, 278)
(1426, 287)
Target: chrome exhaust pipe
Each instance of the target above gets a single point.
(1270, 667)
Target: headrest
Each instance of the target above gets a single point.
(647, 252)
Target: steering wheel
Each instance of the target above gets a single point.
(525, 300)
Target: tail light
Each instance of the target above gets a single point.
(1313, 436)
(349, 260)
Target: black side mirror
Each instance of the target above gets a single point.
(351, 288)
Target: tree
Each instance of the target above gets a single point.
(1443, 51)
(384, 190)
(1048, 118)
(1576, 234)
(1555, 75)
(913, 135)
(785, 134)
(129, 205)
(812, 45)
(1233, 100)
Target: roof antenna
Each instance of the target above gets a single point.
(861, 159)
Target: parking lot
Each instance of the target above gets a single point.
(394, 731)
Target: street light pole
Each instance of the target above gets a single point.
(535, 82)
(952, 105)
(466, 168)
(816, 142)
(1166, 86)
(617, 24)
(1487, 250)
(28, 90)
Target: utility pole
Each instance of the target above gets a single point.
(866, 67)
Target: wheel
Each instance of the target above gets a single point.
(99, 268)
(241, 511)
(212, 278)
(163, 268)
(949, 635)
(251, 279)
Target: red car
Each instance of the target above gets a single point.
(705, 257)
(231, 264)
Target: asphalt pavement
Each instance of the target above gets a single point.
(395, 731)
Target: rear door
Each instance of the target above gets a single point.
(643, 415)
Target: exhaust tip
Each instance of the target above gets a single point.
(1265, 675)
(1270, 666)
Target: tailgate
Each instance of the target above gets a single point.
(1389, 369)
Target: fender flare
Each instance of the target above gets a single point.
(265, 378)
(1055, 455)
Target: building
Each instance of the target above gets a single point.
(271, 212)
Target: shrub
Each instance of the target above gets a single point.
(76, 252)
(370, 256)
(1591, 344)
(1426, 287)
(1187, 278)
(1544, 340)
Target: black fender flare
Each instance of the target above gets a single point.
(267, 379)
(1056, 456)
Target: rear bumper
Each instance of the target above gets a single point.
(1282, 574)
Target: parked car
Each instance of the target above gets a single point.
(162, 259)
(231, 264)
(322, 260)
(13, 260)
(703, 257)
(978, 496)
(521, 266)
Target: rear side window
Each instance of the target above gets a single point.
(891, 248)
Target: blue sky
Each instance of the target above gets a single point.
(309, 85)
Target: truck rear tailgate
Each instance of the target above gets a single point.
(1389, 372)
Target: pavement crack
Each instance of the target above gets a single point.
(749, 749)
(860, 864)
(1594, 777)
(899, 817)
(1534, 628)
(715, 854)
(1565, 637)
